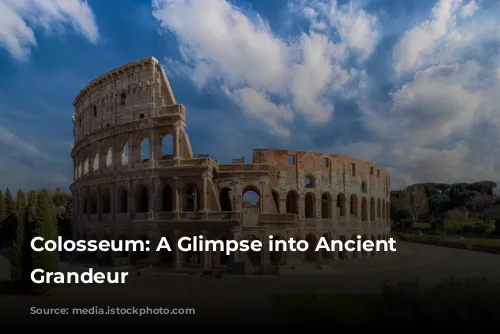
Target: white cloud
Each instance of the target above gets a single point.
(218, 41)
(19, 19)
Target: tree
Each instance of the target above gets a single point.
(480, 204)
(19, 256)
(2, 207)
(50, 228)
(9, 223)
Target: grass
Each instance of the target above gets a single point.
(342, 309)
(472, 241)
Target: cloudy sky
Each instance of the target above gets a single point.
(413, 86)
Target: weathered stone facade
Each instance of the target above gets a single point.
(136, 177)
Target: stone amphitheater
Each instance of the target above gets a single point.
(136, 177)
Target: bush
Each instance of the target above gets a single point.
(451, 302)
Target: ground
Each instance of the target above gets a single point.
(215, 299)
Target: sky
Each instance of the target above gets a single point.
(413, 86)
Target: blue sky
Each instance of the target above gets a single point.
(411, 85)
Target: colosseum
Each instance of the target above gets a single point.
(136, 177)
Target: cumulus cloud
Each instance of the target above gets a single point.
(286, 76)
(434, 125)
(19, 19)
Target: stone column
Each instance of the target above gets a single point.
(176, 194)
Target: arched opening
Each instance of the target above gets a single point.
(364, 209)
(354, 237)
(142, 199)
(342, 252)
(325, 254)
(109, 157)
(364, 187)
(374, 240)
(363, 251)
(167, 256)
(193, 257)
(310, 252)
(254, 256)
(95, 164)
(123, 98)
(167, 147)
(379, 208)
(93, 202)
(167, 199)
(106, 200)
(191, 199)
(372, 208)
(354, 205)
(86, 166)
(251, 198)
(139, 254)
(341, 204)
(121, 200)
(277, 256)
(309, 182)
(292, 202)
(326, 205)
(310, 205)
(276, 200)
(125, 154)
(145, 152)
(225, 199)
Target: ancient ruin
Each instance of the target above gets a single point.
(137, 177)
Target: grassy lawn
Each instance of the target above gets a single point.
(341, 309)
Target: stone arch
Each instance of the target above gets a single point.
(276, 200)
(342, 252)
(364, 253)
(372, 208)
(364, 209)
(220, 258)
(310, 252)
(145, 150)
(364, 187)
(139, 254)
(142, 199)
(326, 205)
(106, 200)
(125, 154)
(167, 198)
(121, 200)
(251, 197)
(354, 205)
(123, 98)
(191, 202)
(109, 157)
(193, 258)
(255, 257)
(225, 199)
(309, 181)
(374, 240)
(167, 146)
(277, 256)
(379, 208)
(325, 254)
(355, 254)
(95, 162)
(310, 205)
(167, 256)
(292, 202)
(341, 203)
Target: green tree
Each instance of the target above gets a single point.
(2, 207)
(9, 223)
(18, 243)
(50, 228)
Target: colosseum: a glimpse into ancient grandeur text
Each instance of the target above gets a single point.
(136, 177)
